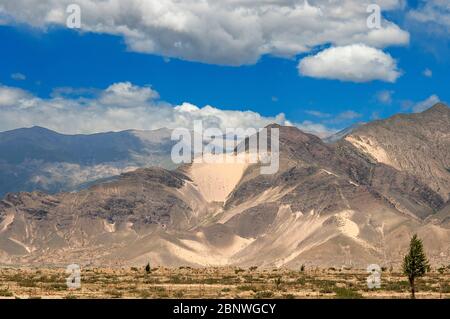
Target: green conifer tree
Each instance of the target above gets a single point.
(415, 263)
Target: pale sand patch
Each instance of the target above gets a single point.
(329, 173)
(110, 228)
(353, 183)
(292, 229)
(6, 222)
(305, 226)
(371, 148)
(346, 225)
(350, 229)
(216, 179)
(204, 255)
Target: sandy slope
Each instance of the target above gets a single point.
(216, 178)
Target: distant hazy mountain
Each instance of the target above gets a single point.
(351, 203)
(40, 159)
(342, 133)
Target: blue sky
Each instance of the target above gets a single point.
(38, 60)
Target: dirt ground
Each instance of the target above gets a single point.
(185, 282)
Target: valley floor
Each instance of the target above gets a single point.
(185, 282)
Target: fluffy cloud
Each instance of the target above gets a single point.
(340, 119)
(343, 117)
(356, 63)
(385, 96)
(13, 96)
(434, 14)
(123, 106)
(18, 76)
(428, 73)
(426, 104)
(127, 94)
(227, 32)
(317, 114)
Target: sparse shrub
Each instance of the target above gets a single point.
(58, 286)
(278, 281)
(114, 293)
(253, 268)
(344, 293)
(26, 282)
(263, 294)
(176, 279)
(159, 289)
(178, 294)
(445, 289)
(151, 281)
(247, 288)
(5, 293)
(144, 294)
(301, 281)
(398, 286)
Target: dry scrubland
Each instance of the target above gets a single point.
(185, 282)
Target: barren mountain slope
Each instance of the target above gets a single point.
(328, 205)
(415, 143)
(43, 227)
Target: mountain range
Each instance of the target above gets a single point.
(40, 159)
(349, 202)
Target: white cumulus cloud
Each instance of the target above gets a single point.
(433, 15)
(123, 106)
(225, 32)
(13, 96)
(356, 63)
(127, 94)
(426, 104)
